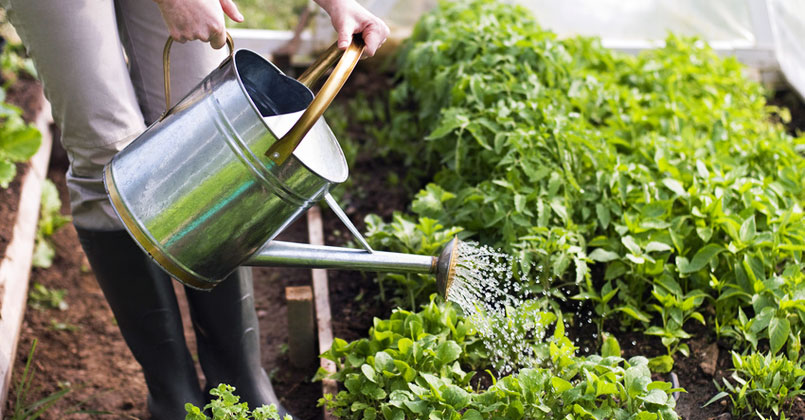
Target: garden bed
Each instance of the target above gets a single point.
(84, 350)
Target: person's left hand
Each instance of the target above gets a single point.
(349, 18)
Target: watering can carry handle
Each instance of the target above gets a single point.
(166, 68)
(282, 148)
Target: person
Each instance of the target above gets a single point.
(100, 63)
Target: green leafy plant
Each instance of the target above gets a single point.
(675, 309)
(50, 220)
(227, 406)
(424, 236)
(762, 385)
(426, 363)
(662, 176)
(13, 62)
(40, 297)
(779, 307)
(18, 140)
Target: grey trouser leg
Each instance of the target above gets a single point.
(99, 104)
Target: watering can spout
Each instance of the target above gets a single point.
(291, 254)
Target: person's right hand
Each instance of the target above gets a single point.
(198, 19)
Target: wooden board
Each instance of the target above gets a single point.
(301, 326)
(15, 268)
(321, 296)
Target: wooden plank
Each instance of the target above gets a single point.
(321, 295)
(15, 268)
(301, 326)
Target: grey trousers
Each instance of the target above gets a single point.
(100, 62)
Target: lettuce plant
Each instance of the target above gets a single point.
(425, 364)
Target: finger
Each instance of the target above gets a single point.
(217, 39)
(373, 36)
(345, 35)
(231, 10)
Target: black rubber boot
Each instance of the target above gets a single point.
(144, 304)
(228, 337)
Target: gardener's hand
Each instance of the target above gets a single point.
(198, 19)
(350, 18)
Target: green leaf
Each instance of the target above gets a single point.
(675, 186)
(716, 397)
(603, 215)
(610, 347)
(471, 414)
(654, 246)
(661, 364)
(20, 145)
(448, 351)
(631, 245)
(43, 254)
(560, 385)
(634, 313)
(701, 259)
(779, 328)
(455, 397)
(656, 396)
(369, 373)
(383, 361)
(763, 319)
(602, 255)
(452, 120)
(748, 230)
(7, 172)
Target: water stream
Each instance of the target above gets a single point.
(503, 311)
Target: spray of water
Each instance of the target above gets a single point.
(502, 310)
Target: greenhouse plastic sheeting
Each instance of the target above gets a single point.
(788, 27)
(725, 20)
(753, 26)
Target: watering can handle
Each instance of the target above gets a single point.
(282, 148)
(166, 68)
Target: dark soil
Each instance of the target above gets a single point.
(9, 203)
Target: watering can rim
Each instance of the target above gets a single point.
(300, 156)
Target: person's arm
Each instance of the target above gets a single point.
(349, 17)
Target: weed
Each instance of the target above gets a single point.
(24, 410)
(41, 298)
(227, 406)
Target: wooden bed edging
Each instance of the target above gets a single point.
(15, 267)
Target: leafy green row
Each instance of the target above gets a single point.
(665, 169)
(424, 364)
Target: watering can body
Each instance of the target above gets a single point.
(197, 190)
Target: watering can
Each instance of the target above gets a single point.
(207, 187)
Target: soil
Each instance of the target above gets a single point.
(81, 347)
(9, 202)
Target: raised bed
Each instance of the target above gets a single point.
(15, 266)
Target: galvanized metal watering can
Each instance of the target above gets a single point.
(209, 186)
